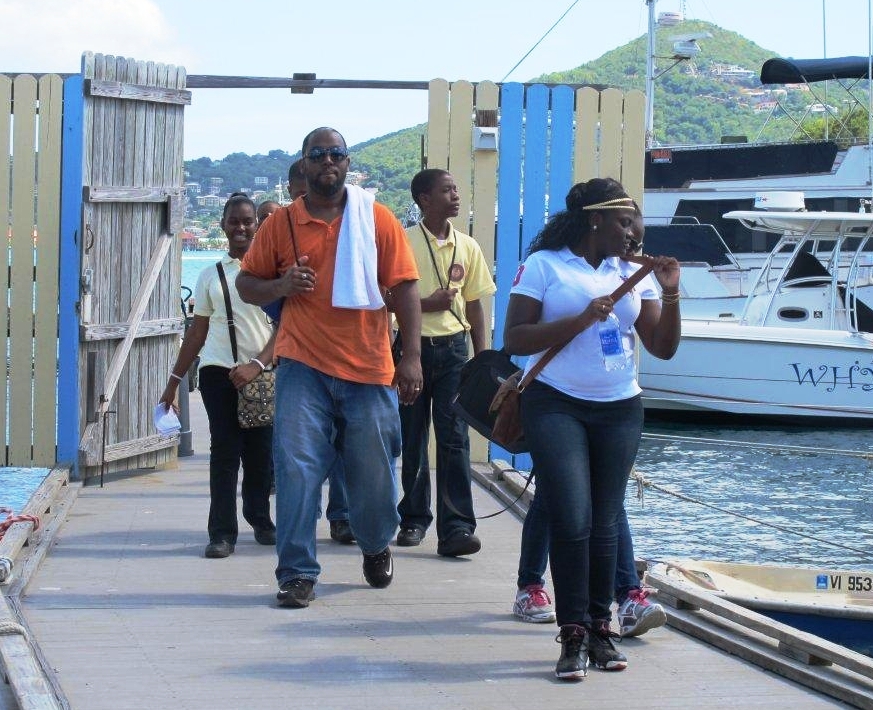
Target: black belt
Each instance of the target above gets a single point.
(437, 340)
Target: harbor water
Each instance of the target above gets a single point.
(17, 485)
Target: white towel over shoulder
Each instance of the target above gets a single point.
(355, 276)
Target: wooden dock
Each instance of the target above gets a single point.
(121, 611)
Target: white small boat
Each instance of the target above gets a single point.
(797, 347)
(834, 604)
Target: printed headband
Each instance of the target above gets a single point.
(619, 203)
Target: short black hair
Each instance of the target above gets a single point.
(295, 172)
(238, 198)
(322, 129)
(424, 181)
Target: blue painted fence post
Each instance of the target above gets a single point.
(68, 317)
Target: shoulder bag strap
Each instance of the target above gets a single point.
(632, 280)
(293, 239)
(231, 327)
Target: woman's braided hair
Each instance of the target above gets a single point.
(569, 227)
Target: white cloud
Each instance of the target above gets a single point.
(51, 35)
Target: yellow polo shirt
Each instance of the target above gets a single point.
(468, 272)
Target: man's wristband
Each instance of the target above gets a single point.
(175, 377)
(255, 360)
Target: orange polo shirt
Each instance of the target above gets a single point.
(352, 344)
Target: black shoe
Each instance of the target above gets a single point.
(410, 536)
(218, 549)
(379, 569)
(573, 663)
(601, 650)
(264, 536)
(459, 543)
(296, 593)
(341, 531)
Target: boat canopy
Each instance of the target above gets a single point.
(798, 71)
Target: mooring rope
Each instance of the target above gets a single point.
(11, 519)
(759, 445)
(11, 628)
(643, 482)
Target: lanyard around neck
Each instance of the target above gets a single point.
(437, 270)
(433, 258)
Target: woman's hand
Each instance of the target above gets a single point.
(241, 375)
(168, 397)
(666, 271)
(598, 309)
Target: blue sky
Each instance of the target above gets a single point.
(380, 39)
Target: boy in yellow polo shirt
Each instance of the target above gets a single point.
(455, 277)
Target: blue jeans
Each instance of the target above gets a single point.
(535, 551)
(337, 499)
(441, 363)
(320, 418)
(583, 453)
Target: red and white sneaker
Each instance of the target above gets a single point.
(636, 614)
(534, 605)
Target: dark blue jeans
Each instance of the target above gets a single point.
(228, 446)
(441, 363)
(583, 452)
(535, 551)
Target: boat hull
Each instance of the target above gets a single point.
(836, 605)
(728, 370)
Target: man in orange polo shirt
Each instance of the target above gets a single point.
(335, 371)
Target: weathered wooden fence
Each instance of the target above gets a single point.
(515, 171)
(30, 190)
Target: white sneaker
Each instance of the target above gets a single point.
(636, 615)
(534, 605)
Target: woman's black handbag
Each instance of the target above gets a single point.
(481, 377)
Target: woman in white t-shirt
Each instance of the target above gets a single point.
(583, 415)
(220, 376)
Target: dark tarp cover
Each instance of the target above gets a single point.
(798, 71)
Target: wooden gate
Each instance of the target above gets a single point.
(517, 159)
(132, 207)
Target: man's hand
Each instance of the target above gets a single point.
(408, 378)
(439, 300)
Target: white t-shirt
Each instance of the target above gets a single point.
(565, 284)
(250, 322)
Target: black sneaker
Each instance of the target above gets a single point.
(296, 593)
(573, 663)
(459, 543)
(379, 569)
(601, 649)
(218, 549)
(341, 531)
(265, 536)
(410, 536)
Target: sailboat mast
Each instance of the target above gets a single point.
(870, 98)
(650, 76)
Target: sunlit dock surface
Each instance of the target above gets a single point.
(129, 616)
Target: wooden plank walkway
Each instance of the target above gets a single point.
(129, 615)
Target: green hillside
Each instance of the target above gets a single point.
(717, 94)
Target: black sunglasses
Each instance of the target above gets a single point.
(336, 154)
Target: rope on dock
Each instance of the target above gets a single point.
(11, 628)
(643, 482)
(758, 445)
